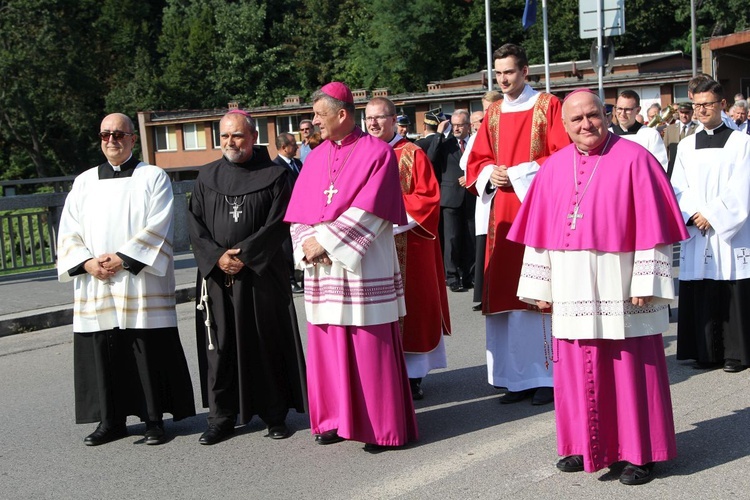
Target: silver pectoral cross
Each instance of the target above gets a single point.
(575, 215)
(235, 212)
(330, 192)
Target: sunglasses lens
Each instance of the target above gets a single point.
(118, 136)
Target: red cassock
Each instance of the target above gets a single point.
(419, 255)
(511, 138)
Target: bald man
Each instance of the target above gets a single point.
(610, 282)
(114, 242)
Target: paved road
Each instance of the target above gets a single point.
(470, 448)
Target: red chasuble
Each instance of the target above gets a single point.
(419, 254)
(509, 139)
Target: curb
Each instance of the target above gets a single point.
(52, 317)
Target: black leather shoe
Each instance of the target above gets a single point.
(154, 433)
(705, 365)
(328, 437)
(514, 397)
(733, 366)
(416, 388)
(378, 448)
(456, 286)
(633, 475)
(477, 307)
(572, 463)
(297, 289)
(543, 396)
(103, 435)
(280, 431)
(215, 434)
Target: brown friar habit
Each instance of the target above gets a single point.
(256, 366)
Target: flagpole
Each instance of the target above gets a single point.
(488, 36)
(546, 45)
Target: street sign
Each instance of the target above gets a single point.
(613, 16)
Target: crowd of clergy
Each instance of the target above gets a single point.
(553, 212)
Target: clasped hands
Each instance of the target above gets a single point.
(637, 301)
(103, 267)
(230, 263)
(314, 253)
(499, 177)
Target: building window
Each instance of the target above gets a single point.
(288, 123)
(446, 107)
(216, 134)
(261, 125)
(680, 92)
(166, 138)
(193, 136)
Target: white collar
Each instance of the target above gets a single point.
(395, 140)
(116, 168)
(526, 94)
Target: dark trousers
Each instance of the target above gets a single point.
(458, 253)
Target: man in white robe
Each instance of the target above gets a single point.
(114, 242)
(627, 108)
(712, 181)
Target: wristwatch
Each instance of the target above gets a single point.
(125, 265)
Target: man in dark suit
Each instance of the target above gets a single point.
(673, 134)
(457, 206)
(286, 145)
(430, 143)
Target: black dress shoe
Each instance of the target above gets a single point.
(456, 286)
(543, 396)
(216, 433)
(572, 463)
(280, 431)
(477, 307)
(637, 474)
(378, 448)
(104, 434)
(733, 366)
(416, 388)
(705, 365)
(154, 433)
(297, 289)
(514, 397)
(328, 437)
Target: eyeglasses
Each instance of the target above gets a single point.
(116, 135)
(455, 125)
(624, 110)
(377, 118)
(704, 105)
(305, 130)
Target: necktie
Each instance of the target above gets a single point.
(683, 131)
(461, 144)
(293, 166)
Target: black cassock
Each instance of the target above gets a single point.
(257, 365)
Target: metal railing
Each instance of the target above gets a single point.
(28, 227)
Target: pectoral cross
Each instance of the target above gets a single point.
(743, 255)
(235, 212)
(330, 192)
(575, 215)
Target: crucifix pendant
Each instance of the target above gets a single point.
(575, 215)
(235, 212)
(330, 192)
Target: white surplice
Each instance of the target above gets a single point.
(599, 305)
(353, 290)
(716, 183)
(132, 216)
